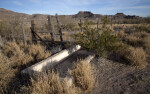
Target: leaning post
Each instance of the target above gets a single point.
(33, 28)
(23, 33)
(58, 25)
(50, 28)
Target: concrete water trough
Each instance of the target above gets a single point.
(51, 61)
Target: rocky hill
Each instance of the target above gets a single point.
(117, 18)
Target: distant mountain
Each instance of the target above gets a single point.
(86, 14)
(4, 13)
(119, 17)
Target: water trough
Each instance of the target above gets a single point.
(51, 61)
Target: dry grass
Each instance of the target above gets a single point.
(146, 44)
(21, 54)
(13, 58)
(134, 56)
(132, 40)
(37, 51)
(6, 73)
(121, 34)
(49, 83)
(83, 75)
(140, 34)
(14, 54)
(139, 39)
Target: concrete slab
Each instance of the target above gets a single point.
(51, 61)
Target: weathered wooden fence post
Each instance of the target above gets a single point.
(111, 21)
(12, 33)
(97, 23)
(23, 33)
(50, 28)
(1, 41)
(81, 25)
(60, 31)
(33, 28)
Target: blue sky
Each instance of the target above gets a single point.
(132, 7)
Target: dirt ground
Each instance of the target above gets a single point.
(112, 77)
(116, 78)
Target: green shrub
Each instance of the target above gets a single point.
(94, 40)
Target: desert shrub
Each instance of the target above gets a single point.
(6, 74)
(20, 54)
(11, 49)
(132, 40)
(83, 75)
(146, 44)
(143, 28)
(139, 28)
(49, 83)
(121, 34)
(5, 29)
(134, 56)
(93, 40)
(70, 26)
(37, 51)
(13, 58)
(140, 34)
(14, 53)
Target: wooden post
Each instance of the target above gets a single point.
(97, 23)
(1, 42)
(60, 32)
(81, 25)
(23, 33)
(111, 21)
(12, 32)
(32, 31)
(50, 28)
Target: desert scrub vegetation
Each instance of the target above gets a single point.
(138, 39)
(133, 40)
(6, 73)
(51, 83)
(48, 83)
(21, 55)
(146, 44)
(134, 56)
(82, 73)
(101, 42)
(15, 57)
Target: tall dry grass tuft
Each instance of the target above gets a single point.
(14, 53)
(15, 57)
(146, 44)
(20, 54)
(121, 34)
(134, 56)
(11, 49)
(132, 40)
(37, 51)
(83, 75)
(49, 83)
(6, 73)
(140, 34)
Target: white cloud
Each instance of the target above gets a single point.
(17, 3)
(35, 1)
(80, 2)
